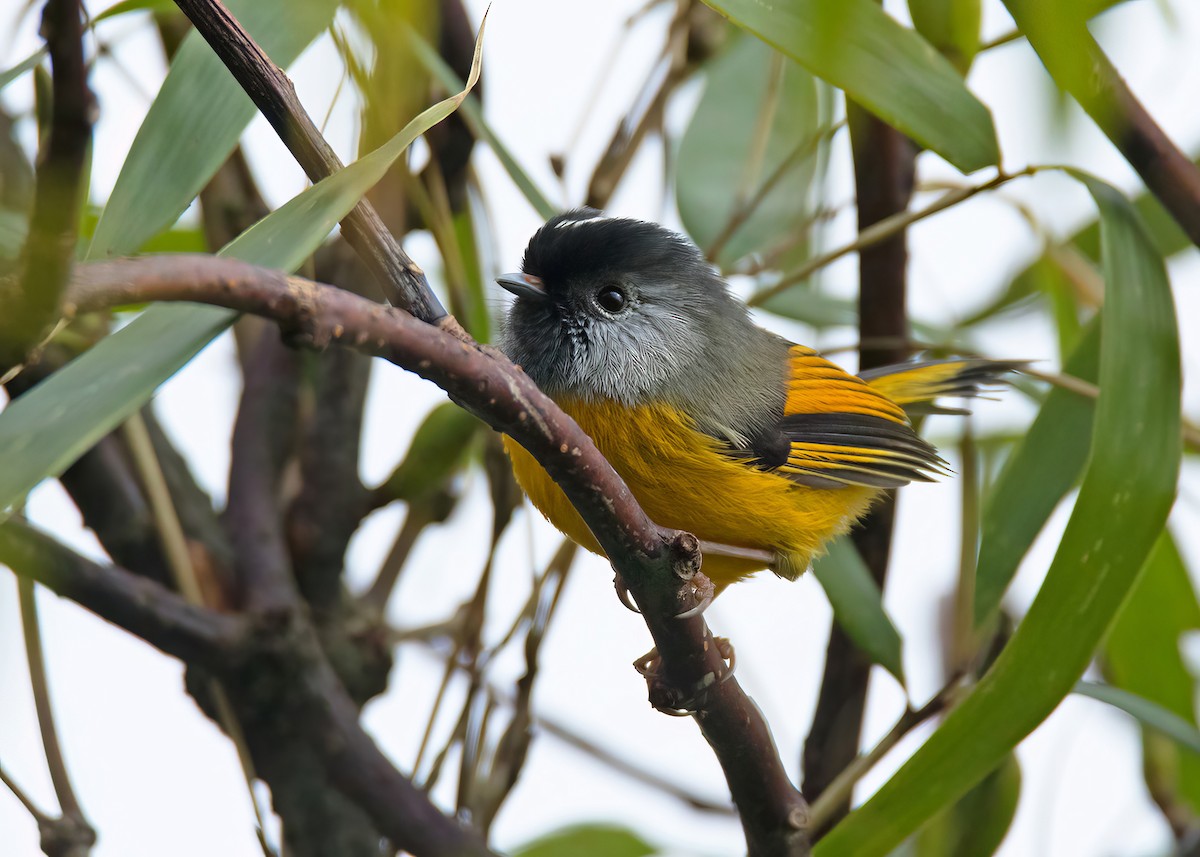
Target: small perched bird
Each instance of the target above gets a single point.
(761, 448)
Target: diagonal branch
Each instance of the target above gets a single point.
(140, 606)
(659, 566)
(402, 279)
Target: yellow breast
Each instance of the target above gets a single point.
(683, 481)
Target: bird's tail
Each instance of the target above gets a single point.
(917, 386)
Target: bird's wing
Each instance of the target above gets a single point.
(916, 386)
(838, 430)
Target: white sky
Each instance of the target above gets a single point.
(155, 777)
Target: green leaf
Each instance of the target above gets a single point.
(951, 26)
(14, 226)
(439, 447)
(858, 605)
(136, 6)
(888, 69)
(977, 824)
(27, 64)
(1142, 655)
(758, 111)
(101, 388)
(1127, 491)
(1042, 468)
(472, 114)
(1149, 713)
(588, 840)
(194, 123)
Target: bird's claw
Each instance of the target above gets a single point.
(704, 592)
(623, 593)
(681, 702)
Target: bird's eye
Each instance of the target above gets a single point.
(611, 299)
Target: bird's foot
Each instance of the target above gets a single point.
(623, 593)
(683, 701)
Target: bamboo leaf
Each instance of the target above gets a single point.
(473, 115)
(1142, 656)
(45, 430)
(1127, 491)
(758, 111)
(858, 605)
(194, 123)
(885, 67)
(1148, 713)
(951, 26)
(589, 840)
(1042, 468)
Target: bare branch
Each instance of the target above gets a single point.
(272, 92)
(659, 566)
(140, 606)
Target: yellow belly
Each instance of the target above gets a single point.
(684, 482)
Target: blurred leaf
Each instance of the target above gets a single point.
(728, 151)
(1142, 655)
(951, 26)
(588, 840)
(439, 447)
(9, 75)
(472, 113)
(1042, 468)
(858, 605)
(14, 226)
(1127, 491)
(45, 430)
(821, 310)
(136, 6)
(1149, 713)
(194, 123)
(888, 69)
(975, 825)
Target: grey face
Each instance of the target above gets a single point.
(616, 309)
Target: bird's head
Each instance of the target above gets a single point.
(614, 308)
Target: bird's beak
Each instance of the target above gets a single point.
(523, 285)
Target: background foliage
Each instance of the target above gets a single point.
(745, 132)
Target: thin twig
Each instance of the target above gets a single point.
(55, 761)
(183, 573)
(881, 231)
(40, 817)
(839, 791)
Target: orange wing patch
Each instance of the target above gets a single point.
(840, 431)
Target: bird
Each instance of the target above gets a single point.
(760, 447)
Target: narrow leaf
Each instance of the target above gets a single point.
(9, 75)
(1142, 655)
(758, 111)
(589, 840)
(858, 605)
(1149, 713)
(194, 123)
(45, 430)
(1042, 468)
(473, 115)
(885, 67)
(1127, 491)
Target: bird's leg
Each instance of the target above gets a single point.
(766, 557)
